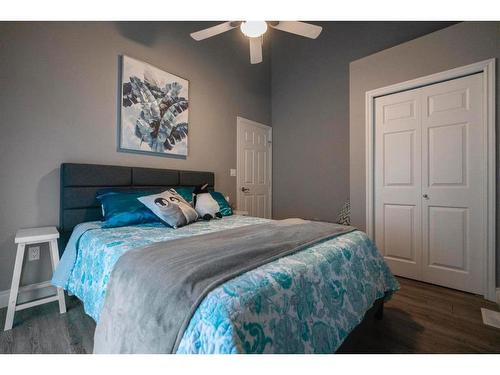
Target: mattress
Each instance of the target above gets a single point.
(307, 302)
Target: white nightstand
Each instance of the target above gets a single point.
(239, 212)
(26, 237)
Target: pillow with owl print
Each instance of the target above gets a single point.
(170, 208)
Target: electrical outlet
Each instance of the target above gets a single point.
(34, 253)
(232, 172)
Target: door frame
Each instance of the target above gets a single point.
(269, 129)
(487, 67)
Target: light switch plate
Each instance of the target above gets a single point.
(232, 172)
(34, 253)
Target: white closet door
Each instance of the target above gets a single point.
(429, 194)
(398, 181)
(453, 155)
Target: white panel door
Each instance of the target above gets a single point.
(254, 168)
(398, 181)
(429, 165)
(453, 155)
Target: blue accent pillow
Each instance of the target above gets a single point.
(224, 207)
(186, 192)
(121, 209)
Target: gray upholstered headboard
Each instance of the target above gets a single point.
(80, 182)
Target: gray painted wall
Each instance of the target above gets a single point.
(310, 111)
(455, 46)
(58, 103)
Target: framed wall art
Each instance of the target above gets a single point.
(154, 110)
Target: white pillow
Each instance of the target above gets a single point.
(170, 208)
(207, 207)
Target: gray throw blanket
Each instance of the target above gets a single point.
(154, 291)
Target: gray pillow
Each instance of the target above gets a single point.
(170, 208)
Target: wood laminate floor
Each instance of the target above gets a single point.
(420, 318)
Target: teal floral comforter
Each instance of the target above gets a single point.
(307, 302)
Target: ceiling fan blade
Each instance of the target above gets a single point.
(299, 28)
(255, 50)
(214, 30)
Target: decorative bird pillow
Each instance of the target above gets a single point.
(204, 204)
(170, 208)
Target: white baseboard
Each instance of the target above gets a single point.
(29, 293)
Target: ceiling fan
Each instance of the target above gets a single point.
(254, 30)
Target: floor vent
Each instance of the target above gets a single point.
(491, 318)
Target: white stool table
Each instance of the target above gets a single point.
(26, 237)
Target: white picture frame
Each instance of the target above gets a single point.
(154, 110)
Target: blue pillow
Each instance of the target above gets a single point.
(225, 208)
(186, 192)
(122, 209)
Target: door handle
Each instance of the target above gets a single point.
(245, 189)
(425, 196)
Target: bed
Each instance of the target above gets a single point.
(307, 302)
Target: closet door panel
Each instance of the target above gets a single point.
(399, 226)
(448, 238)
(452, 183)
(398, 181)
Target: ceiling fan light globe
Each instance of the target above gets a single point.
(253, 29)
